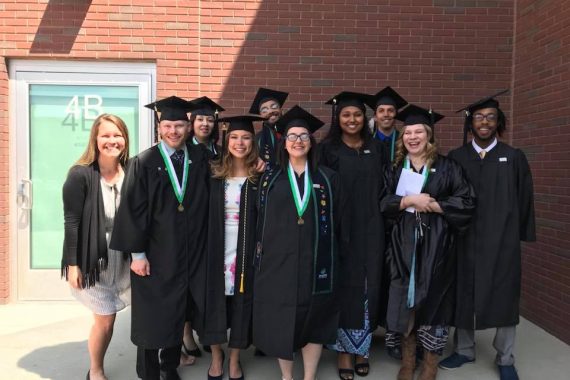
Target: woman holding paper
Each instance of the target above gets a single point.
(430, 201)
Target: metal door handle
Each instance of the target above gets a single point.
(25, 201)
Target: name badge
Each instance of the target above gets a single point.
(432, 170)
(189, 162)
(316, 186)
(502, 159)
(366, 151)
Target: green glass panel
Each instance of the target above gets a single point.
(60, 121)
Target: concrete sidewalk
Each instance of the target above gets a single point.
(47, 340)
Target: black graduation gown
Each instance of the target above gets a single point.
(216, 324)
(435, 257)
(362, 259)
(286, 313)
(489, 260)
(267, 140)
(174, 242)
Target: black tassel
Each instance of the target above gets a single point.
(334, 120)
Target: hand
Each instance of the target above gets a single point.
(260, 166)
(418, 201)
(141, 267)
(434, 207)
(74, 277)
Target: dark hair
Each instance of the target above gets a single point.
(501, 122)
(335, 132)
(214, 135)
(283, 155)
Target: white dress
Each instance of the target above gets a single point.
(232, 192)
(112, 292)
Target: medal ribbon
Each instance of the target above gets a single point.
(410, 302)
(178, 191)
(300, 203)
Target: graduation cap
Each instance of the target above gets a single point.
(237, 123)
(265, 94)
(346, 99)
(298, 117)
(387, 96)
(486, 102)
(414, 114)
(241, 122)
(205, 106)
(172, 108)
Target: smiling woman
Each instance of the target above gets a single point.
(98, 276)
(429, 201)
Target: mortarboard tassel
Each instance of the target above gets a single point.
(465, 127)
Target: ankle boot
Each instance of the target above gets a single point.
(408, 358)
(429, 366)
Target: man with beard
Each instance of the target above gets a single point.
(162, 222)
(489, 254)
(386, 104)
(268, 104)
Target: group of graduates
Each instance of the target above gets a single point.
(294, 246)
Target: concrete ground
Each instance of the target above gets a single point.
(47, 340)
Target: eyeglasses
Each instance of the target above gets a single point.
(273, 106)
(490, 117)
(292, 137)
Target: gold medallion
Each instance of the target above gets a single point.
(300, 221)
(180, 207)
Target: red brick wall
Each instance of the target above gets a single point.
(541, 121)
(443, 53)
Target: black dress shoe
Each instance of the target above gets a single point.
(219, 377)
(242, 377)
(169, 374)
(394, 352)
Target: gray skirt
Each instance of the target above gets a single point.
(112, 293)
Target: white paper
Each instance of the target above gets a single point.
(410, 183)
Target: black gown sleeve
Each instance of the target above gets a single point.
(390, 202)
(525, 197)
(74, 193)
(458, 207)
(130, 230)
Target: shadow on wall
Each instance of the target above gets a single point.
(59, 26)
(314, 49)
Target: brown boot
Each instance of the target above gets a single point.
(408, 358)
(429, 366)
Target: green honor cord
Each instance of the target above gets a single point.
(178, 191)
(301, 203)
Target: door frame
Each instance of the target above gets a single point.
(22, 73)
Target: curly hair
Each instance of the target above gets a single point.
(430, 151)
(222, 167)
(91, 153)
(501, 122)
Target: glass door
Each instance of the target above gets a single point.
(54, 113)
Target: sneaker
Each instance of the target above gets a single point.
(508, 372)
(454, 361)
